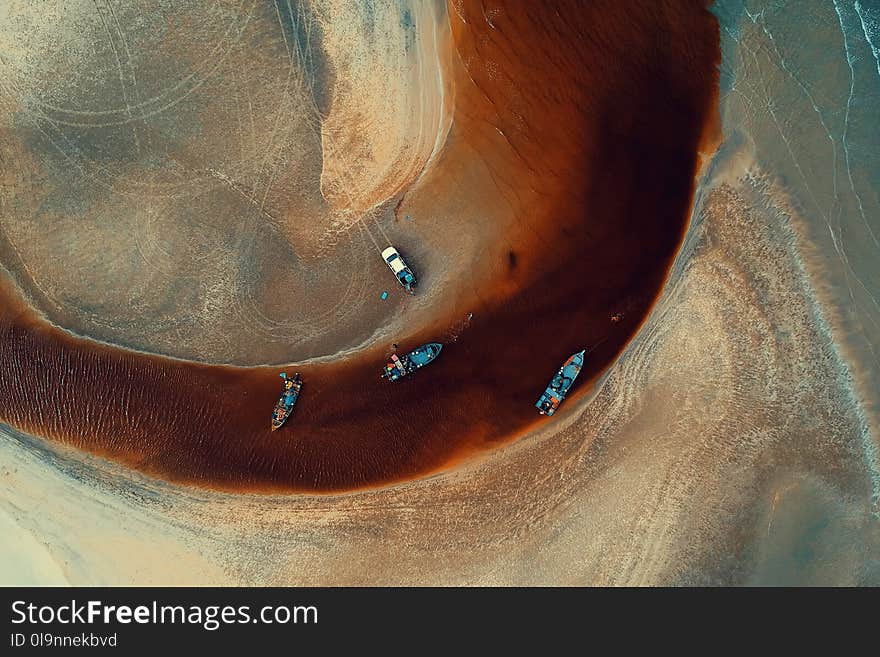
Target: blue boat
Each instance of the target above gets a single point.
(284, 405)
(557, 389)
(399, 366)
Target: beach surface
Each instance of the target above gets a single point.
(728, 438)
(535, 190)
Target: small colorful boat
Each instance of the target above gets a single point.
(560, 385)
(284, 405)
(399, 366)
(401, 270)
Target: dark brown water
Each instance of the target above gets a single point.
(603, 107)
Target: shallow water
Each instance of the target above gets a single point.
(801, 84)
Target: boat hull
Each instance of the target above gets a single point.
(284, 406)
(560, 384)
(401, 270)
(399, 366)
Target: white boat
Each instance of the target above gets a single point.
(401, 271)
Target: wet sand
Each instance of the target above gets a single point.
(592, 143)
(722, 449)
(199, 182)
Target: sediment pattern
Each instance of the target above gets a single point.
(632, 489)
(559, 199)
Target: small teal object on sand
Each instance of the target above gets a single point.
(384, 296)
